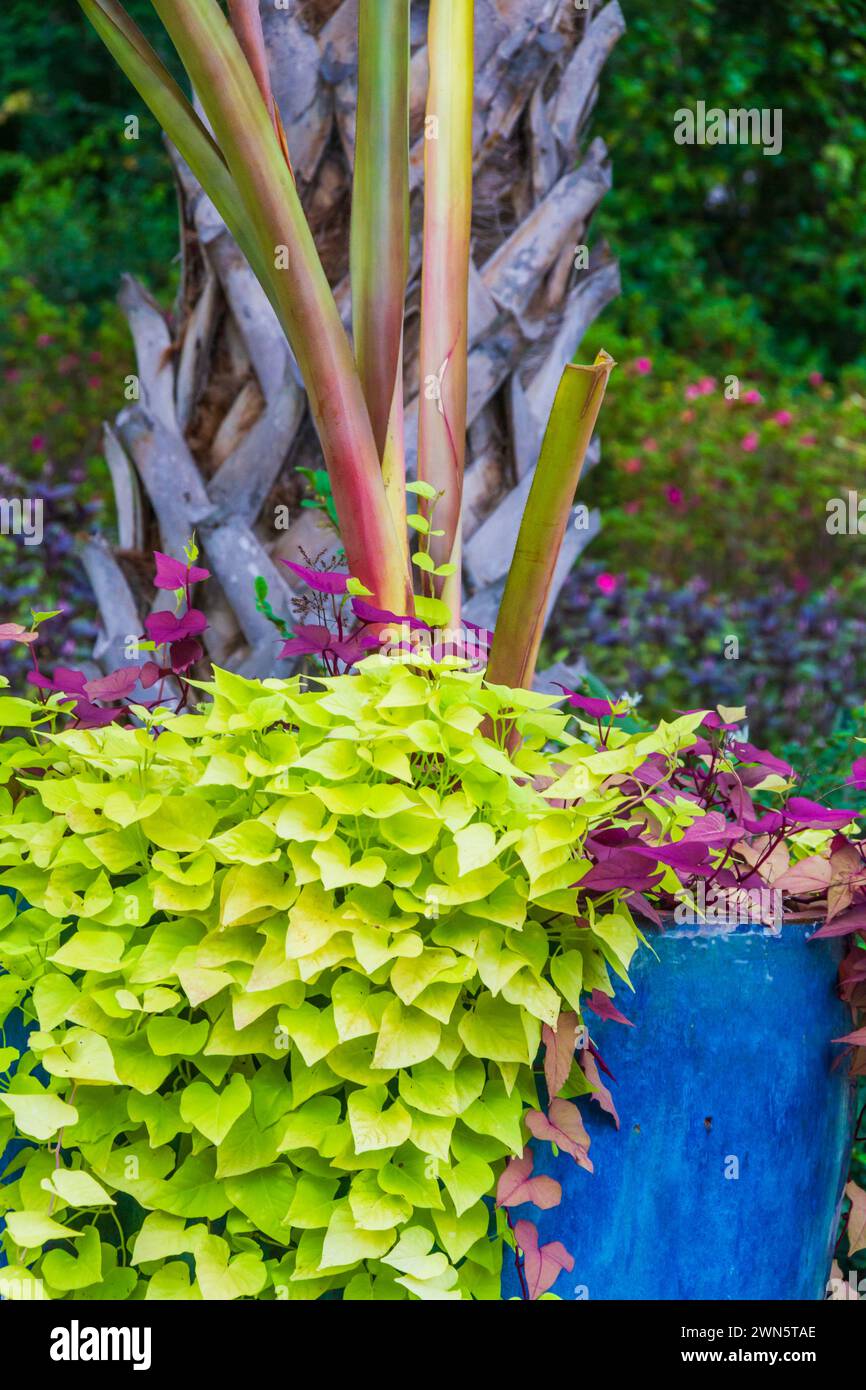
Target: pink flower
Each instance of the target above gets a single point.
(674, 496)
(707, 385)
(607, 583)
(752, 397)
(94, 382)
(67, 363)
(632, 508)
(12, 374)
(96, 356)
(44, 339)
(692, 393)
(749, 443)
(687, 416)
(809, 440)
(38, 443)
(649, 444)
(815, 378)
(782, 417)
(801, 583)
(643, 366)
(633, 465)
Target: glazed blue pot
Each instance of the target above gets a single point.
(725, 1179)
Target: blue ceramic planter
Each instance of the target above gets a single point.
(725, 1178)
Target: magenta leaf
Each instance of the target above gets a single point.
(311, 639)
(115, 686)
(165, 627)
(595, 708)
(323, 581)
(748, 753)
(805, 812)
(562, 1126)
(857, 777)
(543, 1265)
(516, 1185)
(174, 574)
(65, 680)
(95, 716)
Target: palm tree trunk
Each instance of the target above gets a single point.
(221, 425)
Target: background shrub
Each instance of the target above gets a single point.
(720, 245)
(801, 666)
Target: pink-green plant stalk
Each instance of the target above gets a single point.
(379, 248)
(246, 19)
(287, 260)
(358, 411)
(522, 613)
(445, 282)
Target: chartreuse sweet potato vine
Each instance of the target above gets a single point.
(287, 967)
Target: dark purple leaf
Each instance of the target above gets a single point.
(369, 613)
(184, 654)
(625, 869)
(600, 1093)
(603, 1005)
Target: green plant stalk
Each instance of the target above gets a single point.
(445, 278)
(379, 248)
(289, 265)
(520, 624)
(233, 104)
(177, 117)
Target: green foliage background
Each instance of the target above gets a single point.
(79, 203)
(775, 265)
